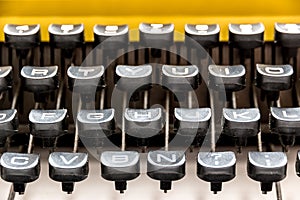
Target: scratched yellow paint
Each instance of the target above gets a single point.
(132, 12)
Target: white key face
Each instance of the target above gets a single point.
(275, 70)
(4, 71)
(19, 161)
(67, 160)
(247, 29)
(287, 28)
(21, 30)
(129, 71)
(242, 115)
(286, 114)
(216, 159)
(65, 29)
(85, 72)
(143, 115)
(156, 28)
(47, 116)
(268, 159)
(96, 116)
(111, 30)
(166, 158)
(120, 159)
(227, 71)
(192, 114)
(7, 115)
(184, 71)
(202, 29)
(31, 72)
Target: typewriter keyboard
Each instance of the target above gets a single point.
(154, 118)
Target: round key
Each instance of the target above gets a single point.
(246, 36)
(231, 78)
(19, 169)
(166, 166)
(120, 167)
(287, 35)
(267, 167)
(180, 78)
(114, 36)
(66, 36)
(156, 35)
(274, 77)
(216, 167)
(22, 36)
(207, 35)
(68, 168)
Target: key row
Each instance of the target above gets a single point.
(145, 123)
(176, 78)
(244, 36)
(164, 166)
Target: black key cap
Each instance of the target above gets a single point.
(96, 124)
(241, 123)
(120, 167)
(207, 35)
(231, 78)
(115, 36)
(180, 78)
(19, 168)
(8, 124)
(192, 121)
(166, 166)
(40, 79)
(156, 35)
(22, 36)
(246, 36)
(286, 123)
(143, 123)
(287, 35)
(68, 168)
(129, 77)
(216, 167)
(267, 167)
(48, 123)
(274, 77)
(66, 36)
(85, 80)
(5, 78)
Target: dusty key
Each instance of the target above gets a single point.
(166, 166)
(120, 167)
(246, 36)
(66, 36)
(285, 122)
(206, 35)
(22, 36)
(68, 168)
(231, 78)
(267, 168)
(113, 36)
(19, 169)
(216, 168)
(85, 80)
(48, 123)
(180, 78)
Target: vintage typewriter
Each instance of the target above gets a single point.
(154, 100)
